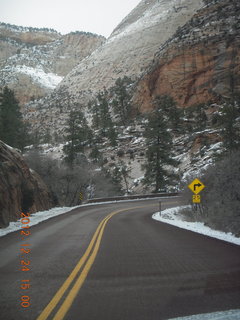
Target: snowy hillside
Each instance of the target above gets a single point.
(34, 61)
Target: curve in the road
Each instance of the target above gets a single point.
(87, 261)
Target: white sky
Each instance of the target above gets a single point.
(97, 16)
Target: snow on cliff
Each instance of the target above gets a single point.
(48, 80)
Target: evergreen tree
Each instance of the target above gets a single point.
(170, 112)
(112, 135)
(96, 155)
(102, 117)
(12, 129)
(78, 135)
(25, 138)
(122, 99)
(116, 176)
(124, 174)
(197, 117)
(230, 115)
(159, 148)
(93, 107)
(104, 114)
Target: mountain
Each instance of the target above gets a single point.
(20, 187)
(200, 63)
(128, 51)
(131, 46)
(33, 61)
(186, 49)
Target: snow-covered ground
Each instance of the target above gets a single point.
(35, 218)
(222, 315)
(48, 80)
(173, 217)
(40, 216)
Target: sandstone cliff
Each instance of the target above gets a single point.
(33, 61)
(14, 38)
(128, 51)
(131, 46)
(20, 187)
(200, 62)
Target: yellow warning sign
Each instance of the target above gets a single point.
(196, 186)
(196, 198)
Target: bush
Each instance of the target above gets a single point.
(120, 153)
(66, 183)
(222, 194)
(221, 197)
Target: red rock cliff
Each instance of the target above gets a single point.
(200, 63)
(19, 187)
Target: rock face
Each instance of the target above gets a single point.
(200, 62)
(20, 187)
(33, 61)
(128, 52)
(131, 46)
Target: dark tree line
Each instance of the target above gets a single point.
(13, 131)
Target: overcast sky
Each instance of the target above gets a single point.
(97, 16)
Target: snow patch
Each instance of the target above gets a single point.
(48, 80)
(222, 315)
(173, 217)
(35, 218)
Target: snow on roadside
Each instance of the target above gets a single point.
(35, 218)
(173, 217)
(221, 315)
(170, 216)
(40, 216)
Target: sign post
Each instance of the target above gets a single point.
(196, 198)
(81, 197)
(196, 186)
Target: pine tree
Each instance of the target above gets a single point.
(95, 110)
(102, 117)
(96, 155)
(159, 148)
(124, 174)
(12, 129)
(170, 112)
(112, 135)
(105, 117)
(230, 114)
(78, 135)
(197, 118)
(122, 99)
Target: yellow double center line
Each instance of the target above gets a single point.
(87, 259)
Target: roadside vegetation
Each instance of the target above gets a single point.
(70, 184)
(220, 200)
(86, 170)
(13, 130)
(220, 204)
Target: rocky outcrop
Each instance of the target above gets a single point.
(14, 38)
(200, 62)
(34, 61)
(20, 187)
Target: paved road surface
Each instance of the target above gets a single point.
(135, 268)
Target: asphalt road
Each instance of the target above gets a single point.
(126, 267)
